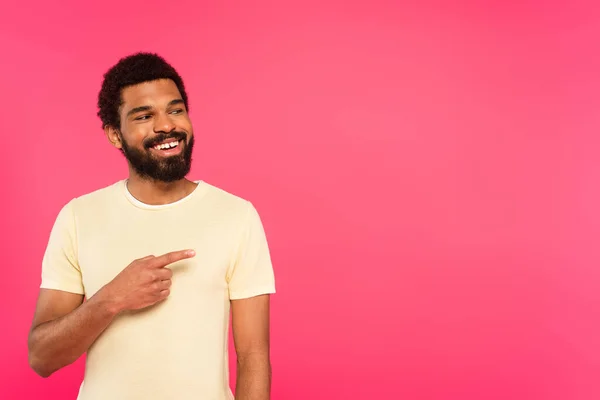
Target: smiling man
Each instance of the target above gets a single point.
(142, 275)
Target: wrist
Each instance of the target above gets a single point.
(108, 302)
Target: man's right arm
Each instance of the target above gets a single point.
(64, 327)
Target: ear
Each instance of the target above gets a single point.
(114, 136)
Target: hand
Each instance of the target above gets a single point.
(144, 282)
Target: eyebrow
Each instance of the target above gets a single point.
(136, 110)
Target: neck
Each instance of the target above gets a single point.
(154, 192)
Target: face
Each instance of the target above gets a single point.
(156, 134)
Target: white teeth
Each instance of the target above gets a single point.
(166, 145)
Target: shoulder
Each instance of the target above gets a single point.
(71, 211)
(225, 200)
(230, 206)
(96, 200)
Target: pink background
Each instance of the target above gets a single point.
(428, 176)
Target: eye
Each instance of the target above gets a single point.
(142, 117)
(177, 111)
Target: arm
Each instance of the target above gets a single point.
(64, 328)
(250, 325)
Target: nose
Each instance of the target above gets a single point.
(163, 123)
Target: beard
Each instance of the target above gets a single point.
(167, 169)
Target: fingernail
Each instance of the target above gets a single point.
(191, 253)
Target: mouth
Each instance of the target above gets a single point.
(169, 147)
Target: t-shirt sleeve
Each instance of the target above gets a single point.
(60, 268)
(251, 273)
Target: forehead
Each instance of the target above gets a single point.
(152, 93)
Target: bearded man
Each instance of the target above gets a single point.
(142, 275)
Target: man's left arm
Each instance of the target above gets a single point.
(251, 281)
(250, 326)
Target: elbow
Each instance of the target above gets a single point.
(254, 360)
(38, 365)
(39, 368)
(43, 373)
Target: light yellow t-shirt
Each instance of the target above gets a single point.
(177, 349)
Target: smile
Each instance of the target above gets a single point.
(168, 148)
(166, 145)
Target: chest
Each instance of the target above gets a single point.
(109, 243)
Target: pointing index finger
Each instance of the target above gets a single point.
(169, 258)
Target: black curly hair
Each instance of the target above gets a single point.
(132, 70)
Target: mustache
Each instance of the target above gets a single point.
(161, 137)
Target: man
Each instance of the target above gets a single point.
(160, 260)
